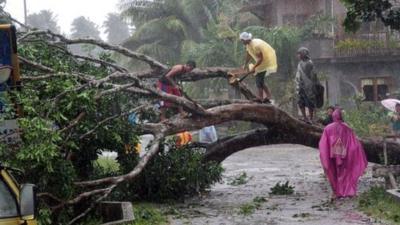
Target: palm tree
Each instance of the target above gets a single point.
(163, 25)
(116, 29)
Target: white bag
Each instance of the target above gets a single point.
(208, 135)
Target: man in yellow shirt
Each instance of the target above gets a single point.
(264, 57)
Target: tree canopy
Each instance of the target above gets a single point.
(359, 11)
(82, 27)
(44, 20)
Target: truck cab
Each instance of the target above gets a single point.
(17, 202)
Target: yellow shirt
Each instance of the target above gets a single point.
(257, 46)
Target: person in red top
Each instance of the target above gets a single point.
(169, 84)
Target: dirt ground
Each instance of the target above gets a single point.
(225, 204)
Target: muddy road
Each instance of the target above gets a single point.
(250, 203)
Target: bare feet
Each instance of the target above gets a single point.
(257, 100)
(266, 100)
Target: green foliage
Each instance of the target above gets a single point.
(368, 120)
(163, 26)
(105, 167)
(221, 48)
(359, 11)
(148, 214)
(259, 199)
(358, 44)
(52, 153)
(318, 25)
(173, 173)
(377, 203)
(240, 179)
(44, 216)
(249, 208)
(282, 189)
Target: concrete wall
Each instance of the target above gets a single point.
(320, 47)
(344, 76)
(285, 8)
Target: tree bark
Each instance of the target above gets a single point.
(383, 171)
(225, 147)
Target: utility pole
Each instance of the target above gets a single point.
(25, 13)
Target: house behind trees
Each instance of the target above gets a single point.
(366, 62)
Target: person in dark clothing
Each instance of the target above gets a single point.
(306, 81)
(328, 119)
(169, 84)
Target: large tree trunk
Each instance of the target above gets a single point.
(282, 128)
(225, 147)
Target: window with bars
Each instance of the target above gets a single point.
(375, 89)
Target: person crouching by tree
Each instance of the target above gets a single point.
(328, 119)
(306, 81)
(168, 83)
(264, 57)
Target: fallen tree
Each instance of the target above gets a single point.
(76, 95)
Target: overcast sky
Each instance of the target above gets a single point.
(65, 10)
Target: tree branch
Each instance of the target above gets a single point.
(74, 122)
(153, 150)
(106, 120)
(37, 66)
(93, 204)
(154, 64)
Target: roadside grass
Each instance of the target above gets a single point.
(148, 214)
(106, 165)
(282, 189)
(377, 204)
(239, 179)
(250, 207)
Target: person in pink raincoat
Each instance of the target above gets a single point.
(342, 157)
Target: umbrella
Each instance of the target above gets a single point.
(390, 103)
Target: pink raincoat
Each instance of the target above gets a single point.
(342, 157)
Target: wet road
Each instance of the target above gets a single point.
(266, 166)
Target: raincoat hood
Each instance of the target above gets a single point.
(304, 52)
(337, 115)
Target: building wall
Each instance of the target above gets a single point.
(344, 78)
(296, 12)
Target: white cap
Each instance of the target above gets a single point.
(246, 36)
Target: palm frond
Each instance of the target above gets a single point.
(161, 52)
(177, 26)
(153, 29)
(141, 11)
